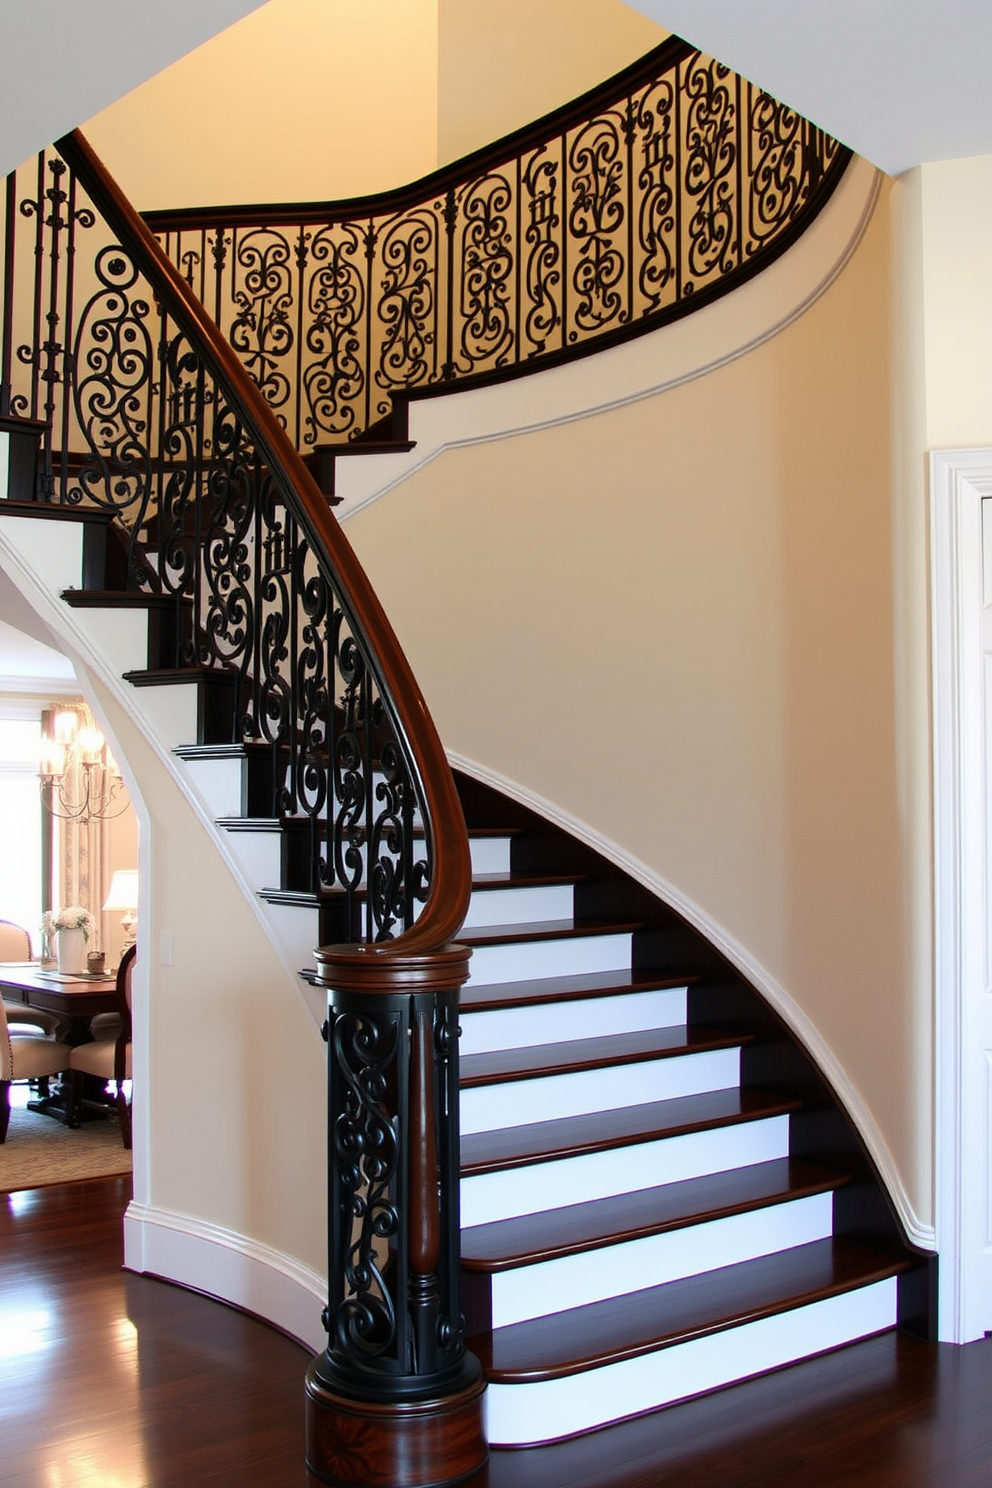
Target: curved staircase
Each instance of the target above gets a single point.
(658, 1192)
(659, 1195)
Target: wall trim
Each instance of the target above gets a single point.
(229, 1267)
(960, 480)
(920, 1234)
(657, 362)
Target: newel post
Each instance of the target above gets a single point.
(395, 1400)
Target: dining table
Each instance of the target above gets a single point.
(74, 1000)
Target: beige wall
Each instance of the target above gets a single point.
(303, 100)
(504, 63)
(234, 1092)
(676, 621)
(308, 100)
(956, 228)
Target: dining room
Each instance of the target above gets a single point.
(68, 912)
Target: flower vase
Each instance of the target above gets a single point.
(71, 950)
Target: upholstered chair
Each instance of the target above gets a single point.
(110, 1059)
(15, 945)
(28, 1054)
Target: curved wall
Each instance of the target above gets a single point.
(682, 623)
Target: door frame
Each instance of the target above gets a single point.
(960, 480)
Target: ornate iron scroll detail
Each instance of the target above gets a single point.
(113, 359)
(264, 295)
(679, 178)
(394, 1311)
(335, 375)
(485, 273)
(366, 1214)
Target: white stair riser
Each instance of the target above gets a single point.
(596, 1175)
(51, 549)
(552, 1409)
(122, 642)
(573, 1281)
(259, 856)
(297, 926)
(592, 1017)
(521, 1102)
(217, 783)
(511, 906)
(167, 713)
(490, 854)
(527, 960)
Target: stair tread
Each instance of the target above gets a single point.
(572, 1055)
(517, 880)
(505, 1244)
(485, 935)
(600, 1131)
(118, 599)
(495, 995)
(625, 1327)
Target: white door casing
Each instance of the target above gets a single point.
(961, 599)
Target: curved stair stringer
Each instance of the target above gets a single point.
(425, 425)
(783, 1007)
(42, 558)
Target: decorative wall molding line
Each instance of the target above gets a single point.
(229, 1266)
(657, 362)
(738, 955)
(960, 480)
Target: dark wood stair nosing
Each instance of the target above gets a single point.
(598, 1224)
(852, 1266)
(499, 996)
(534, 931)
(605, 1051)
(566, 1137)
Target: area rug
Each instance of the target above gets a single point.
(39, 1151)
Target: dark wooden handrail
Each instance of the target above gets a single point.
(444, 823)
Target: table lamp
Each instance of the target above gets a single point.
(124, 896)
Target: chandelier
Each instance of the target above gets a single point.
(79, 777)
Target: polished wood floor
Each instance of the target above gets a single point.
(109, 1380)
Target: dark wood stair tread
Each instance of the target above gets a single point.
(517, 880)
(526, 1239)
(601, 1131)
(494, 995)
(117, 599)
(659, 1317)
(486, 935)
(573, 1055)
(176, 676)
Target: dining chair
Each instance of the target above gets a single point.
(26, 1055)
(15, 945)
(110, 1059)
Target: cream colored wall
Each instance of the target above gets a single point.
(504, 63)
(677, 622)
(956, 229)
(303, 100)
(234, 1091)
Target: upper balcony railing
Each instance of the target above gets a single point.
(653, 194)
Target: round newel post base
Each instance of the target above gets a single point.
(402, 1444)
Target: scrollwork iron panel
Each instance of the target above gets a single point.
(388, 1319)
(676, 179)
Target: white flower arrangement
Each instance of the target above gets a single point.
(74, 917)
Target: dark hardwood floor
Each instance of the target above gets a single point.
(109, 1380)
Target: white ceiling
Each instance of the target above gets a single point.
(900, 81)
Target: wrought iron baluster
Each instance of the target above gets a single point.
(7, 319)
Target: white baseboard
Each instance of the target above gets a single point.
(231, 1267)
